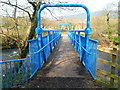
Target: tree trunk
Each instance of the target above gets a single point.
(25, 48)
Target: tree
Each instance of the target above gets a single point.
(109, 12)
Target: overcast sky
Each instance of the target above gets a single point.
(93, 5)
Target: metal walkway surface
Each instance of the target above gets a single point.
(63, 70)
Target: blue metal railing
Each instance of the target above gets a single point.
(17, 72)
(39, 55)
(78, 43)
(14, 72)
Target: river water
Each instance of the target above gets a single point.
(10, 54)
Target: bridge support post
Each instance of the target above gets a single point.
(78, 41)
(40, 58)
(49, 41)
(87, 48)
(74, 39)
(53, 36)
(75, 42)
(88, 31)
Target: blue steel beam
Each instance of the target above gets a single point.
(39, 29)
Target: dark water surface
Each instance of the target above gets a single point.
(9, 54)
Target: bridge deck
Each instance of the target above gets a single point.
(63, 70)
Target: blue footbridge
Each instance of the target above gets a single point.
(17, 72)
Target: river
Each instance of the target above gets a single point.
(9, 54)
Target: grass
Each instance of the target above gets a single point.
(107, 84)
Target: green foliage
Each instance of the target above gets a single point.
(110, 31)
(117, 40)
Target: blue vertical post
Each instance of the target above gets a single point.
(43, 52)
(80, 53)
(49, 41)
(53, 36)
(10, 74)
(40, 53)
(2, 80)
(71, 33)
(14, 73)
(78, 40)
(74, 39)
(19, 73)
(39, 32)
(6, 75)
(22, 72)
(88, 31)
(26, 70)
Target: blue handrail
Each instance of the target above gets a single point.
(13, 60)
(46, 44)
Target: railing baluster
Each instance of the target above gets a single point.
(53, 38)
(14, 73)
(18, 72)
(22, 72)
(10, 74)
(78, 41)
(49, 41)
(73, 39)
(2, 80)
(26, 70)
(6, 75)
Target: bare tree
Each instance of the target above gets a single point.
(109, 12)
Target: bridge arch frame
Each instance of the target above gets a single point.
(70, 26)
(87, 30)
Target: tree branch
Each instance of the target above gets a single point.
(10, 37)
(33, 4)
(9, 3)
(52, 14)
